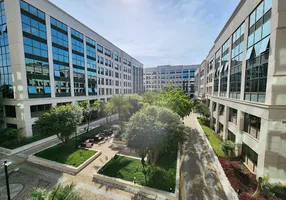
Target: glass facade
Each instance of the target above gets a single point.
(216, 72)
(78, 63)
(91, 66)
(60, 58)
(5, 65)
(36, 51)
(252, 125)
(224, 68)
(236, 62)
(258, 53)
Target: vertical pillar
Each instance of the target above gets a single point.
(243, 67)
(239, 132)
(85, 66)
(225, 127)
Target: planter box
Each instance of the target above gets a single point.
(62, 167)
(133, 188)
(27, 146)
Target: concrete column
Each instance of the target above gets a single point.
(276, 80)
(16, 45)
(50, 54)
(225, 120)
(70, 61)
(243, 67)
(239, 132)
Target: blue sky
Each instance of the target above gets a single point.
(155, 32)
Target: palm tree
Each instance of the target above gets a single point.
(119, 104)
(60, 192)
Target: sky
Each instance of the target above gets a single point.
(155, 32)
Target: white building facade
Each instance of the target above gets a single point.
(50, 58)
(176, 75)
(246, 85)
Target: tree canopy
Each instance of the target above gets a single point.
(88, 108)
(60, 120)
(170, 97)
(136, 102)
(154, 130)
(119, 104)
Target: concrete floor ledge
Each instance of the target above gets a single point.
(63, 167)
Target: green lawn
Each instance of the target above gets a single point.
(66, 154)
(161, 177)
(214, 141)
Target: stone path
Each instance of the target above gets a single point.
(199, 178)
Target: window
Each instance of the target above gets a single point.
(250, 157)
(59, 25)
(38, 110)
(252, 125)
(10, 111)
(231, 136)
(77, 46)
(60, 38)
(107, 52)
(76, 34)
(236, 62)
(35, 47)
(60, 55)
(90, 42)
(233, 116)
(217, 68)
(115, 56)
(61, 71)
(5, 65)
(99, 48)
(33, 26)
(77, 60)
(13, 126)
(62, 88)
(224, 68)
(34, 66)
(124, 61)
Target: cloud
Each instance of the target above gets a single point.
(156, 32)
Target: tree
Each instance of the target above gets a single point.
(202, 109)
(60, 120)
(119, 104)
(59, 192)
(228, 148)
(12, 133)
(88, 108)
(170, 97)
(136, 102)
(154, 130)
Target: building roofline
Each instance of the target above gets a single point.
(240, 4)
(56, 7)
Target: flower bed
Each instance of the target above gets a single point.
(238, 176)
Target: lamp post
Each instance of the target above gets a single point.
(6, 164)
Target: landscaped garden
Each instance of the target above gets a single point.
(67, 154)
(162, 176)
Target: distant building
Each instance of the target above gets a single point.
(176, 75)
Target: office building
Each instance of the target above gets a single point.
(246, 85)
(50, 58)
(176, 75)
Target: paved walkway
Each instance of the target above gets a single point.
(199, 178)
